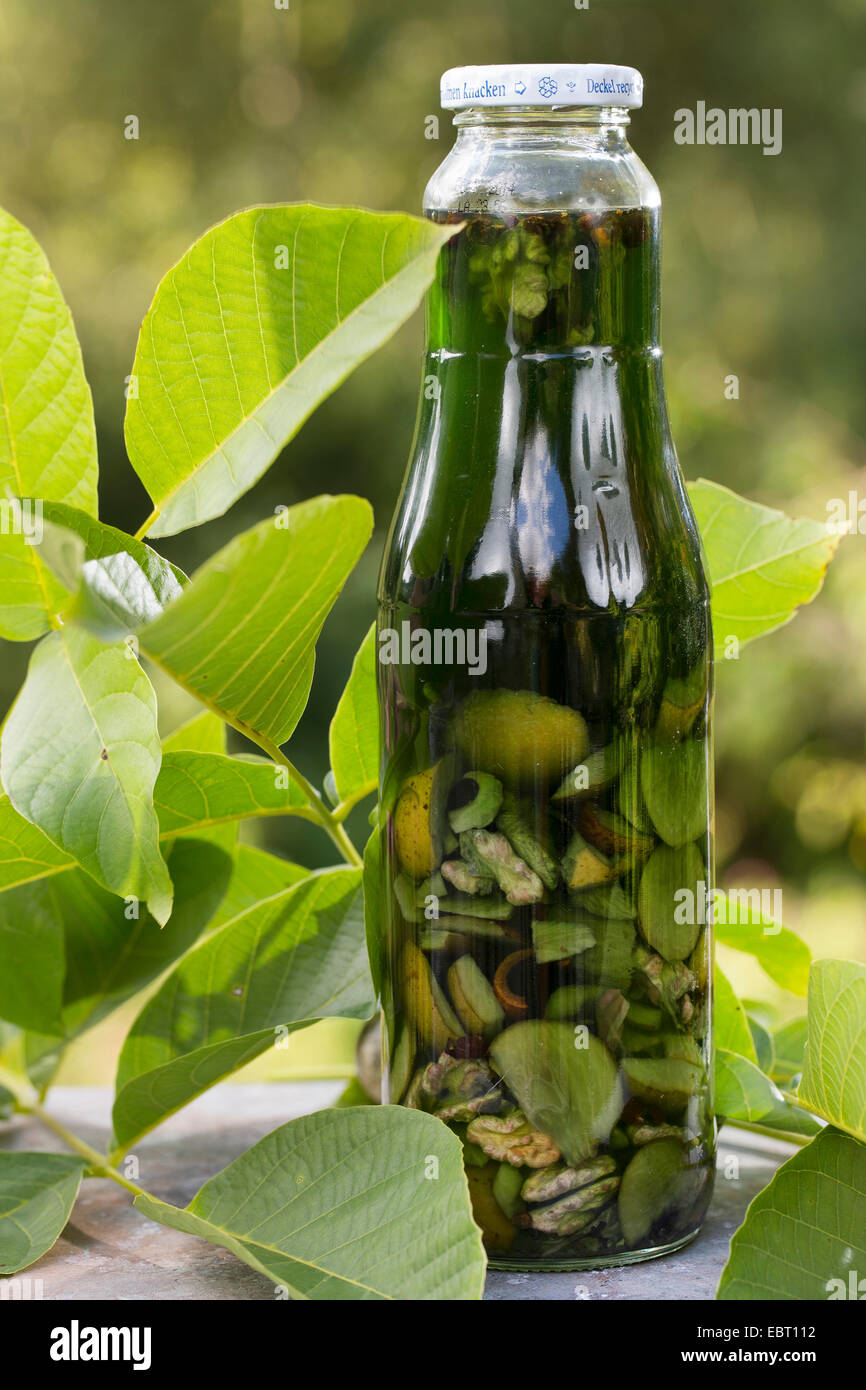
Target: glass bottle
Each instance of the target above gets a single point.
(545, 685)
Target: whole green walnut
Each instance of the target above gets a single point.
(521, 736)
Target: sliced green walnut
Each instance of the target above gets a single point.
(404, 892)
(492, 905)
(566, 1083)
(670, 887)
(474, 801)
(473, 999)
(550, 1183)
(572, 1002)
(514, 823)
(618, 1139)
(448, 933)
(473, 1157)
(463, 877)
(400, 1064)
(495, 856)
(456, 1090)
(611, 961)
(683, 1048)
(629, 800)
(691, 1013)
(584, 866)
(604, 1233)
(675, 983)
(644, 1016)
(673, 779)
(611, 1009)
(612, 900)
(667, 982)
(595, 774)
(497, 1231)
(650, 1187)
(643, 1133)
(665, 1082)
(699, 961)
(512, 1139)
(558, 940)
(613, 835)
(682, 701)
(575, 1211)
(520, 736)
(506, 1189)
(419, 820)
(413, 1097)
(515, 1005)
(432, 887)
(640, 1044)
(430, 1013)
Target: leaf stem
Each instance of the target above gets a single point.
(28, 1104)
(328, 819)
(146, 525)
(343, 809)
(801, 1140)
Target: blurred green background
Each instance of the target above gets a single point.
(240, 102)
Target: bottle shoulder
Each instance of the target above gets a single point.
(511, 178)
(532, 537)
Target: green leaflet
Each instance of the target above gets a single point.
(246, 646)
(340, 1206)
(763, 565)
(739, 923)
(80, 754)
(805, 1233)
(70, 952)
(118, 583)
(259, 321)
(47, 436)
(109, 957)
(743, 1092)
(286, 960)
(834, 1067)
(32, 958)
(203, 733)
(731, 1026)
(789, 1048)
(256, 875)
(195, 793)
(194, 790)
(354, 733)
(37, 1191)
(762, 1039)
(25, 852)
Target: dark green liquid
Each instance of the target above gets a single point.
(544, 508)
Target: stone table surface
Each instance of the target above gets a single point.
(110, 1251)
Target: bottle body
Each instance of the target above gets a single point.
(545, 685)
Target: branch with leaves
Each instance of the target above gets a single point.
(119, 858)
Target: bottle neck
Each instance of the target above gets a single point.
(607, 124)
(560, 245)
